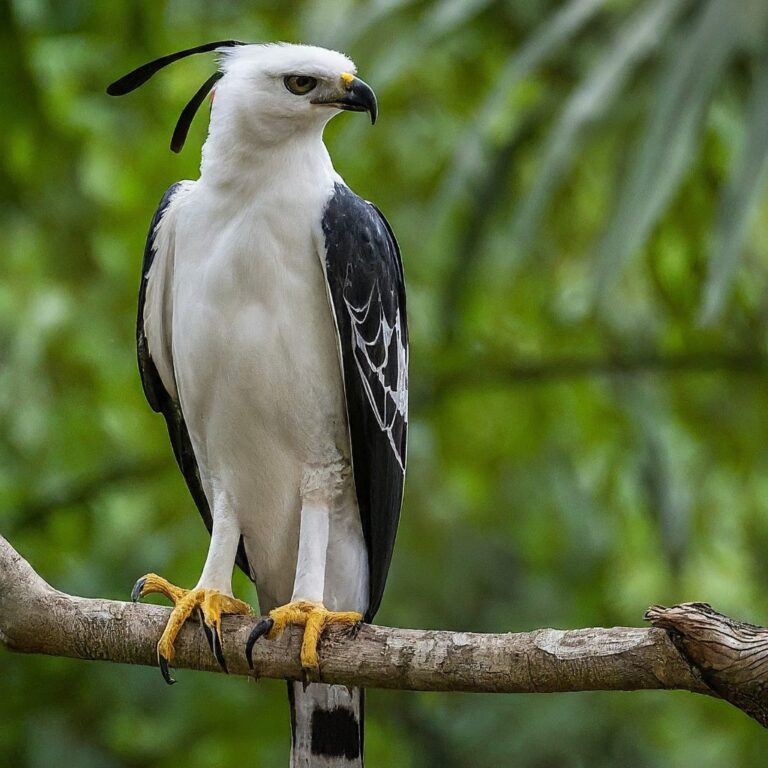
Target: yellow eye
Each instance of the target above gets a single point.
(300, 84)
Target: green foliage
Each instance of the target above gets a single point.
(574, 185)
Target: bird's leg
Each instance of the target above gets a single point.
(210, 599)
(306, 608)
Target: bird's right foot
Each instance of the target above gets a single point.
(210, 604)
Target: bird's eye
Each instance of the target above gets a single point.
(300, 84)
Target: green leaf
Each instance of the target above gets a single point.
(341, 25)
(659, 163)
(592, 99)
(741, 195)
(439, 20)
(469, 160)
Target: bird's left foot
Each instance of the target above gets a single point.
(210, 605)
(314, 617)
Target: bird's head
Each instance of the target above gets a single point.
(279, 89)
(268, 92)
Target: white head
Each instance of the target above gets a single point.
(274, 91)
(265, 94)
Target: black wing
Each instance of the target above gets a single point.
(367, 290)
(159, 398)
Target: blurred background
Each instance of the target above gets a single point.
(577, 190)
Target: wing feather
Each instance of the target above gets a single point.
(365, 283)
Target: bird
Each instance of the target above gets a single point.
(272, 336)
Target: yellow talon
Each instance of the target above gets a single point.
(314, 617)
(211, 603)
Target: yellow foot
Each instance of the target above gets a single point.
(314, 617)
(210, 605)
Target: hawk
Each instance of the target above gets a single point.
(272, 336)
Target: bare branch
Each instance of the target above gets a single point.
(35, 618)
(488, 371)
(730, 656)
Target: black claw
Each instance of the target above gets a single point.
(206, 629)
(214, 641)
(262, 626)
(137, 587)
(163, 662)
(218, 652)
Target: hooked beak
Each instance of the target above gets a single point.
(356, 96)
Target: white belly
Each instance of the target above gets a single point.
(259, 381)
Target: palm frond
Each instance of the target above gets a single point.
(470, 158)
(740, 197)
(593, 98)
(350, 27)
(685, 87)
(439, 20)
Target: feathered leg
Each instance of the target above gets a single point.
(210, 599)
(330, 587)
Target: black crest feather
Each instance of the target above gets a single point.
(140, 75)
(188, 113)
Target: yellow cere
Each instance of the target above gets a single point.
(347, 78)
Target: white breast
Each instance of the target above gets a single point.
(256, 366)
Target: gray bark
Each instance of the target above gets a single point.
(691, 648)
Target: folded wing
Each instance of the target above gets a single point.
(367, 292)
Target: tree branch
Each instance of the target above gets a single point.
(35, 618)
(483, 371)
(731, 657)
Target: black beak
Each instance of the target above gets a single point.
(358, 97)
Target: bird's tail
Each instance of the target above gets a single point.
(326, 726)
